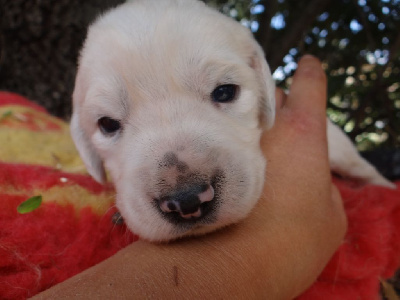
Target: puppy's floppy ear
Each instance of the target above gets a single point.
(266, 85)
(92, 160)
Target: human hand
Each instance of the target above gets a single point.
(275, 253)
(299, 192)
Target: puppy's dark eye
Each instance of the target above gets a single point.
(224, 93)
(108, 125)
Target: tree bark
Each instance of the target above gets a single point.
(294, 33)
(263, 35)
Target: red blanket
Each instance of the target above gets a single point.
(73, 227)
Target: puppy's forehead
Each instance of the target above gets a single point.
(157, 49)
(146, 22)
(154, 37)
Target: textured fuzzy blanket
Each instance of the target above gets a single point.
(73, 228)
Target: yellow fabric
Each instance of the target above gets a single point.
(51, 148)
(28, 136)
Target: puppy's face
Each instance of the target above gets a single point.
(171, 98)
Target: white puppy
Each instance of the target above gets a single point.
(171, 97)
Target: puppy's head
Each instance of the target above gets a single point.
(171, 98)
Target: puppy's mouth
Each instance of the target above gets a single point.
(193, 205)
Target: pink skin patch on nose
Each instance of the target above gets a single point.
(207, 195)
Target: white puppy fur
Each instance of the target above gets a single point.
(149, 108)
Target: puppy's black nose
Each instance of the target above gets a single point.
(189, 202)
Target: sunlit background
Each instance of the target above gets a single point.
(359, 44)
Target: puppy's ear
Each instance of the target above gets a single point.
(267, 87)
(92, 160)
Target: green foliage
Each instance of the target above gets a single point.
(5, 115)
(359, 44)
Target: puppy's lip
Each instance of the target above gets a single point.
(196, 214)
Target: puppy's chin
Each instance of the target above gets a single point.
(177, 234)
(195, 232)
(167, 232)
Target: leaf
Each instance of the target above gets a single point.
(6, 114)
(30, 205)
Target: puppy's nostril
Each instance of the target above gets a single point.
(171, 206)
(189, 203)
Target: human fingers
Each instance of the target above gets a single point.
(308, 91)
(301, 117)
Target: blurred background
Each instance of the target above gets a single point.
(358, 42)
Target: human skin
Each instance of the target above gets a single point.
(275, 253)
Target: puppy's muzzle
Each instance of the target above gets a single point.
(188, 203)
